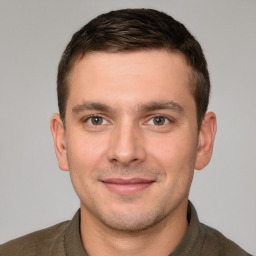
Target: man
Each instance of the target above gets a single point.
(133, 90)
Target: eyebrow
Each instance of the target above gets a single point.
(147, 107)
(91, 106)
(154, 105)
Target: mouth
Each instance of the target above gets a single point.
(127, 186)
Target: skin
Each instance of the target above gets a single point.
(131, 144)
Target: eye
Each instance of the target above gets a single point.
(158, 120)
(96, 120)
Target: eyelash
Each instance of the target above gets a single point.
(166, 120)
(93, 116)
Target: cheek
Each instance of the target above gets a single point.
(174, 154)
(85, 153)
(177, 160)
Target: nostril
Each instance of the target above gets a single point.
(126, 145)
(124, 160)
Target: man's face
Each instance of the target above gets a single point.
(131, 136)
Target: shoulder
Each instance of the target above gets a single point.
(218, 244)
(36, 243)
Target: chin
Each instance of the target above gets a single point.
(131, 221)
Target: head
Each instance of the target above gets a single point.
(133, 90)
(132, 30)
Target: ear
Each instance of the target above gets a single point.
(206, 140)
(58, 134)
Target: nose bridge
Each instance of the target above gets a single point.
(126, 144)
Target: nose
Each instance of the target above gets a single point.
(126, 146)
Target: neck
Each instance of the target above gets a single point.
(160, 239)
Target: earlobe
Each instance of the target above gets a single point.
(206, 140)
(58, 134)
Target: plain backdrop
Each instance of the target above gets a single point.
(35, 194)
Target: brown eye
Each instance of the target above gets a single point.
(159, 120)
(95, 120)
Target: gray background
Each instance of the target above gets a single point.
(34, 193)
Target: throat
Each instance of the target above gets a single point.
(159, 239)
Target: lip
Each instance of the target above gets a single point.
(127, 186)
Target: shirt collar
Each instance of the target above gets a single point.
(191, 243)
(72, 241)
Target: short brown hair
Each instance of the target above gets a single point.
(136, 29)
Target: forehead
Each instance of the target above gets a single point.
(129, 78)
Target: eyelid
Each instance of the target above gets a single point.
(85, 119)
(169, 119)
(149, 117)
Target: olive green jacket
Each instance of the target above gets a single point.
(64, 239)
